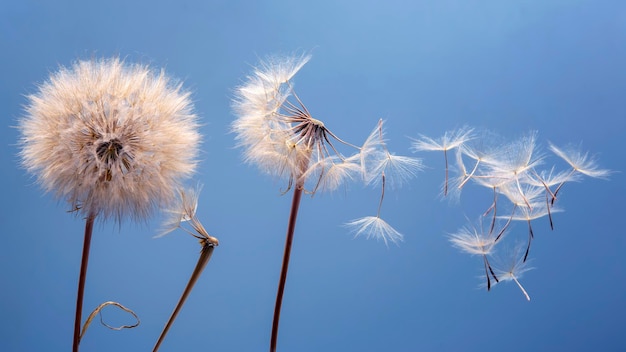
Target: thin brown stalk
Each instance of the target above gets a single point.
(291, 227)
(494, 207)
(558, 188)
(530, 239)
(203, 260)
(81, 280)
(382, 194)
(489, 270)
(508, 222)
(549, 212)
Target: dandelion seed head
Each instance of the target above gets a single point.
(113, 139)
(280, 135)
(263, 129)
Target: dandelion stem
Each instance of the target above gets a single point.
(506, 225)
(495, 209)
(203, 260)
(530, 239)
(549, 212)
(291, 226)
(81, 280)
(487, 273)
(558, 188)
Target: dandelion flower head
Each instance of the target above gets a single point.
(280, 135)
(112, 138)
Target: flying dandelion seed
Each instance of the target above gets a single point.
(537, 209)
(510, 170)
(449, 141)
(113, 139)
(512, 267)
(476, 241)
(581, 163)
(515, 162)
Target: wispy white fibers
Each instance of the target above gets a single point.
(110, 137)
(521, 189)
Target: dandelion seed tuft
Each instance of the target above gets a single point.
(512, 267)
(581, 162)
(374, 227)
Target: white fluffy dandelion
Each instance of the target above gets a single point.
(113, 139)
(280, 135)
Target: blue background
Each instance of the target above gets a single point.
(425, 67)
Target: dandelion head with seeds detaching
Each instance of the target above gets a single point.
(113, 139)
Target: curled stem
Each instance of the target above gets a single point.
(99, 310)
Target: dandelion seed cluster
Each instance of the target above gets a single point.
(114, 139)
(280, 135)
(509, 170)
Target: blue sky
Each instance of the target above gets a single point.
(426, 67)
